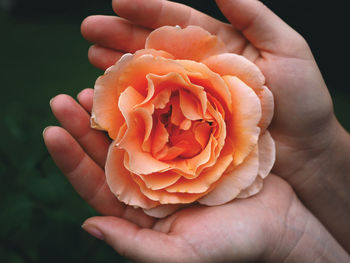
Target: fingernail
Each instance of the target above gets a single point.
(92, 230)
(51, 100)
(46, 129)
(79, 94)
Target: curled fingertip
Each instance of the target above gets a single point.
(118, 5)
(85, 98)
(50, 102)
(45, 130)
(93, 230)
(85, 93)
(103, 57)
(88, 25)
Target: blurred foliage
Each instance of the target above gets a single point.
(40, 213)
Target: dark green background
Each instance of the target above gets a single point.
(43, 54)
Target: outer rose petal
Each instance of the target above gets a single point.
(163, 210)
(249, 73)
(267, 154)
(253, 189)
(246, 114)
(153, 52)
(120, 181)
(164, 197)
(105, 113)
(231, 184)
(236, 65)
(267, 107)
(157, 181)
(192, 42)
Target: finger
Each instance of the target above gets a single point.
(157, 13)
(264, 29)
(87, 177)
(77, 122)
(138, 244)
(85, 98)
(114, 33)
(102, 57)
(83, 173)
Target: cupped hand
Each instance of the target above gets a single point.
(304, 125)
(312, 148)
(271, 226)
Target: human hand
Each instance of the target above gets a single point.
(312, 147)
(265, 227)
(282, 54)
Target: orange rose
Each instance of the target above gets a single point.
(188, 122)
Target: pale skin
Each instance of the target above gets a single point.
(272, 226)
(312, 149)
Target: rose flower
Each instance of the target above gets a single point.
(188, 122)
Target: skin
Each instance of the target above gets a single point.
(272, 226)
(312, 149)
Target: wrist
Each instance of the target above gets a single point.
(316, 244)
(323, 184)
(305, 239)
(327, 158)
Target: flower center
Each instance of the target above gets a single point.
(176, 136)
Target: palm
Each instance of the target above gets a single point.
(247, 225)
(243, 225)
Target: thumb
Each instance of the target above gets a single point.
(263, 28)
(135, 243)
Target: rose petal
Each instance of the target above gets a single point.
(203, 182)
(138, 162)
(120, 181)
(174, 81)
(192, 42)
(231, 184)
(186, 140)
(144, 114)
(105, 114)
(249, 73)
(243, 127)
(153, 52)
(191, 168)
(267, 107)
(156, 181)
(135, 73)
(165, 197)
(163, 210)
(201, 133)
(185, 124)
(211, 81)
(160, 138)
(267, 154)
(130, 70)
(253, 189)
(189, 106)
(177, 116)
(162, 98)
(236, 65)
